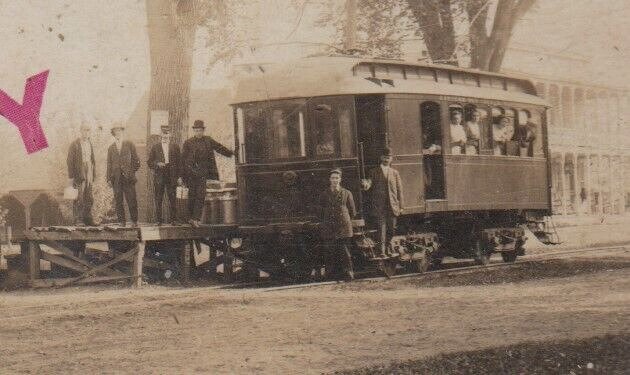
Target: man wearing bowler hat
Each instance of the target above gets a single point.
(199, 166)
(165, 161)
(386, 200)
(122, 164)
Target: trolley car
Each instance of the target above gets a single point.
(294, 122)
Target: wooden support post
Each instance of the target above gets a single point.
(186, 262)
(137, 265)
(228, 265)
(212, 262)
(33, 260)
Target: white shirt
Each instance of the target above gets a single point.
(473, 130)
(385, 169)
(86, 157)
(86, 152)
(458, 134)
(118, 144)
(165, 151)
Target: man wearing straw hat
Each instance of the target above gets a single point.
(81, 173)
(199, 166)
(122, 164)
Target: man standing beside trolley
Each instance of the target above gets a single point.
(82, 172)
(165, 161)
(122, 164)
(336, 212)
(199, 166)
(386, 198)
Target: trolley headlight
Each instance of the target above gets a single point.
(236, 242)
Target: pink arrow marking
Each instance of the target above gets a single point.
(26, 115)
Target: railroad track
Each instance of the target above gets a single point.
(270, 286)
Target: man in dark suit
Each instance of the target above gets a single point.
(386, 201)
(165, 161)
(122, 164)
(199, 166)
(82, 172)
(336, 212)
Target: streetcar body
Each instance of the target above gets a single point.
(295, 122)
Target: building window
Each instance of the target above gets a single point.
(569, 174)
(567, 107)
(592, 118)
(578, 105)
(554, 98)
(557, 189)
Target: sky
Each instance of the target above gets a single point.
(97, 54)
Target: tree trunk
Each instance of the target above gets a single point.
(171, 49)
(487, 53)
(350, 26)
(477, 11)
(435, 23)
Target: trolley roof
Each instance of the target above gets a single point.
(345, 75)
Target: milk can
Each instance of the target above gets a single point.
(228, 207)
(212, 214)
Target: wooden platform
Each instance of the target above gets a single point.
(57, 238)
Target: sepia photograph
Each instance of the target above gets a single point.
(315, 187)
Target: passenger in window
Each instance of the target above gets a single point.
(280, 134)
(525, 136)
(473, 133)
(430, 146)
(326, 143)
(458, 134)
(502, 132)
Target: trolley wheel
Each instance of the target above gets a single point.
(419, 265)
(387, 267)
(299, 272)
(482, 256)
(509, 256)
(250, 271)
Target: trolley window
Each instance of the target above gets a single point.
(274, 130)
(476, 126)
(456, 129)
(332, 130)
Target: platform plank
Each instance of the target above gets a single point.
(132, 234)
(58, 282)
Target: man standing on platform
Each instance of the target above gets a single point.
(82, 173)
(122, 164)
(336, 212)
(199, 166)
(165, 161)
(386, 197)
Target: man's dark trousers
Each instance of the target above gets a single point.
(159, 188)
(125, 189)
(196, 196)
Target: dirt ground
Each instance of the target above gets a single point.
(361, 327)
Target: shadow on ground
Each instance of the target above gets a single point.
(597, 355)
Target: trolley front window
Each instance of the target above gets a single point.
(331, 122)
(273, 131)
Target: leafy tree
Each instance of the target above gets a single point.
(372, 27)
(381, 26)
(488, 34)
